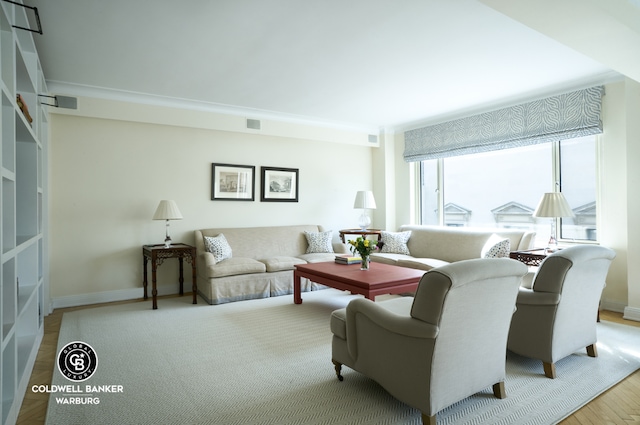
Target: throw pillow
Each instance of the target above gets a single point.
(319, 242)
(218, 246)
(496, 247)
(395, 242)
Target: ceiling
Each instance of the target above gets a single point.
(363, 64)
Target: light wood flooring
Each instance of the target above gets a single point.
(618, 405)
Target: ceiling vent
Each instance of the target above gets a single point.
(66, 102)
(253, 124)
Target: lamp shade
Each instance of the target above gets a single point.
(365, 200)
(553, 204)
(167, 210)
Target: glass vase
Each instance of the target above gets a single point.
(364, 265)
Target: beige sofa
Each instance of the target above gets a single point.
(258, 261)
(435, 246)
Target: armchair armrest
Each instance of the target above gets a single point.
(531, 297)
(386, 319)
(527, 280)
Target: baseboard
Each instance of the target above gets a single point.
(632, 313)
(616, 306)
(108, 296)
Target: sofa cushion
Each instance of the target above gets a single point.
(456, 244)
(496, 247)
(391, 259)
(261, 242)
(422, 263)
(276, 264)
(319, 241)
(235, 266)
(218, 246)
(395, 242)
(317, 257)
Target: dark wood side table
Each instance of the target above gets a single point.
(157, 254)
(530, 257)
(360, 232)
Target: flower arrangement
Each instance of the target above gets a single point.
(362, 246)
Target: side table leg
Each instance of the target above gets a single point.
(297, 292)
(154, 288)
(181, 278)
(144, 274)
(194, 280)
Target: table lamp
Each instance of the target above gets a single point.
(553, 205)
(365, 201)
(167, 210)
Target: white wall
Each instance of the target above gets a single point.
(619, 222)
(632, 106)
(108, 175)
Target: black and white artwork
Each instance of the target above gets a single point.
(279, 184)
(232, 182)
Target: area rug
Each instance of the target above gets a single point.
(268, 361)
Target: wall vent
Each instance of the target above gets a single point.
(253, 124)
(373, 138)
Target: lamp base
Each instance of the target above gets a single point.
(364, 221)
(552, 245)
(167, 239)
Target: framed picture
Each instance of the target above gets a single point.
(279, 184)
(232, 182)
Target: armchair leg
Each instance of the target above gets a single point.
(498, 390)
(592, 351)
(549, 370)
(338, 367)
(428, 420)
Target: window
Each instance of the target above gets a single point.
(502, 188)
(578, 182)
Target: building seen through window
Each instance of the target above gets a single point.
(501, 189)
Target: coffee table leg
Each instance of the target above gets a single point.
(297, 292)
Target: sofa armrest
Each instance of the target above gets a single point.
(208, 258)
(340, 248)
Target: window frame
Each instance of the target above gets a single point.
(556, 178)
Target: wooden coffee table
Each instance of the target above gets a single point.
(378, 280)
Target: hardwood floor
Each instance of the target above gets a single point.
(618, 405)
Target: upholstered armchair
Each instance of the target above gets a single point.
(557, 315)
(441, 346)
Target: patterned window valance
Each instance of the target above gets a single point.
(565, 116)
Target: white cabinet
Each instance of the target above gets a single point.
(23, 237)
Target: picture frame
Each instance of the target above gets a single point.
(230, 182)
(279, 184)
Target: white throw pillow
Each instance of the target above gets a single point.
(496, 247)
(218, 246)
(395, 242)
(319, 242)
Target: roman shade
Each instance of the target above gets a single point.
(560, 117)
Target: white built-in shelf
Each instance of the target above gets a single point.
(23, 159)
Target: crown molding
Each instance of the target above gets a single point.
(80, 90)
